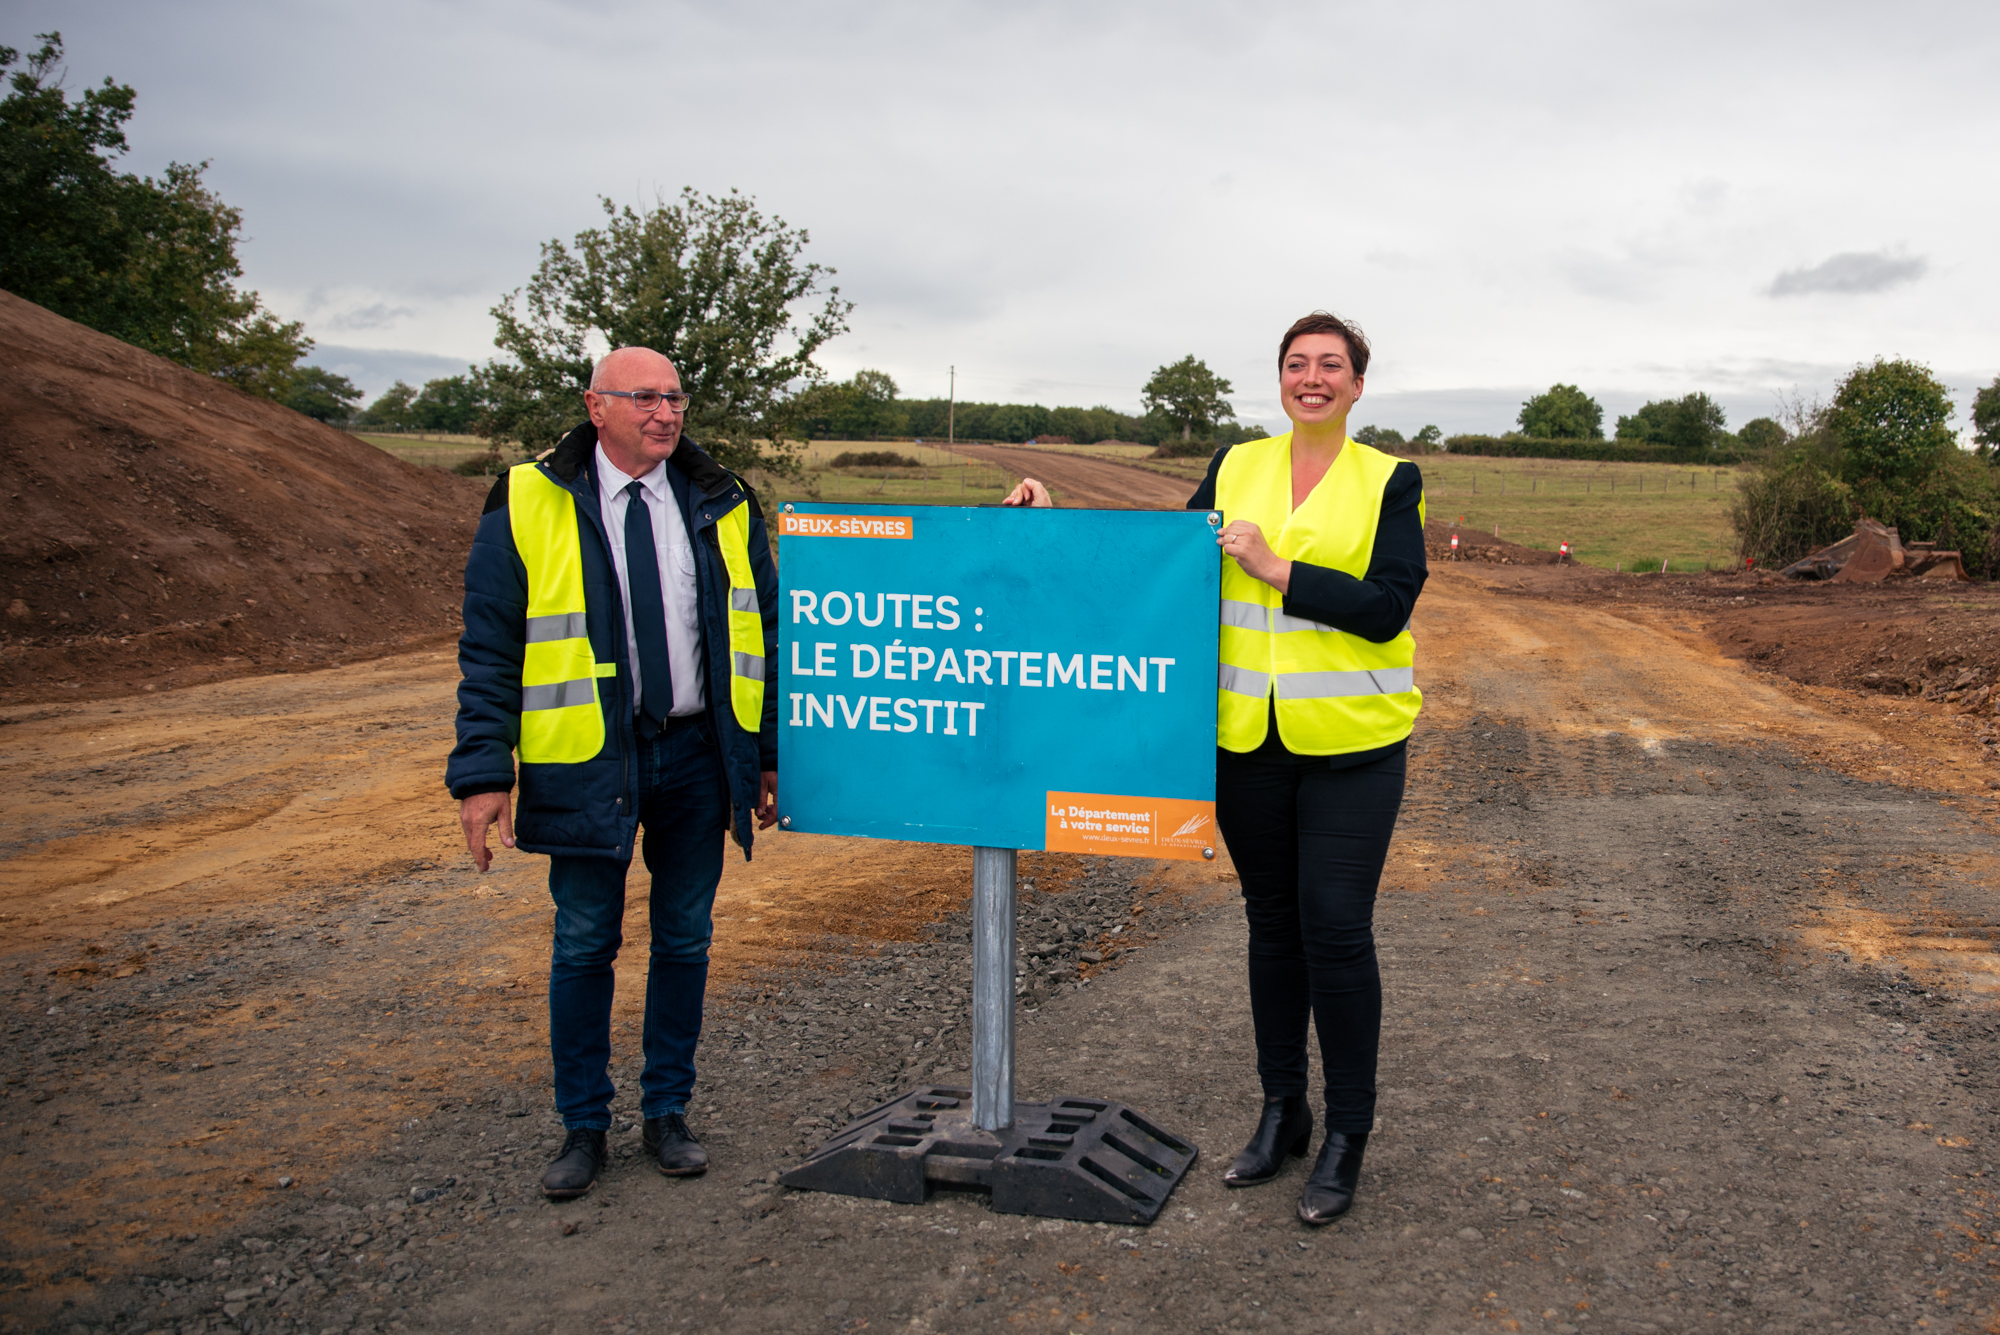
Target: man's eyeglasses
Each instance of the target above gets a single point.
(648, 400)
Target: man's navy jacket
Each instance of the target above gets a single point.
(589, 809)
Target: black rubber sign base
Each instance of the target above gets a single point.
(1070, 1158)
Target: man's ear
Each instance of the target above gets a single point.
(595, 407)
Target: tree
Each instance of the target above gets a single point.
(709, 282)
(1427, 440)
(1562, 412)
(150, 262)
(1986, 419)
(1691, 424)
(322, 395)
(1892, 420)
(1761, 434)
(1189, 394)
(450, 404)
(1381, 437)
(395, 409)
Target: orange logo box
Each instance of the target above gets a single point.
(845, 526)
(1148, 827)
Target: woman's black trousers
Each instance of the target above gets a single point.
(1309, 842)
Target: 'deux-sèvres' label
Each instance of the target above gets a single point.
(845, 526)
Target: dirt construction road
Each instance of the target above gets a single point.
(1094, 484)
(1691, 987)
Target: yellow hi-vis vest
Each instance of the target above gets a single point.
(1336, 693)
(562, 715)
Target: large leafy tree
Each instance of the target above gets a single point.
(1761, 435)
(322, 395)
(1892, 420)
(862, 408)
(449, 403)
(721, 290)
(395, 407)
(1562, 412)
(1190, 395)
(152, 262)
(1690, 424)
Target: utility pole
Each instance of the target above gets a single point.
(951, 414)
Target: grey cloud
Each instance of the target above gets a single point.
(373, 316)
(1852, 272)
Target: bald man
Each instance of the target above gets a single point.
(620, 611)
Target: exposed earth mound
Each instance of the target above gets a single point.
(161, 527)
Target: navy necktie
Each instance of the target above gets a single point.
(649, 613)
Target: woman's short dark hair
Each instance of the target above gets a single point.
(1323, 322)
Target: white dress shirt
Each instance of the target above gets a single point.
(677, 588)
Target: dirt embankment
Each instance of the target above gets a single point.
(161, 527)
(1900, 639)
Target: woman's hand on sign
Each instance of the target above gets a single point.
(1244, 542)
(1031, 494)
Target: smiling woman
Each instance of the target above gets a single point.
(1316, 701)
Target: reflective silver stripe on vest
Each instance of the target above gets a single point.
(749, 665)
(1256, 616)
(1282, 623)
(561, 626)
(1244, 616)
(560, 694)
(743, 600)
(1320, 685)
(1242, 681)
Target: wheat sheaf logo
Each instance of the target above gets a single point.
(1189, 826)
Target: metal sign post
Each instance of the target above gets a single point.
(993, 988)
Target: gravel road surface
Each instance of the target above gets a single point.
(1691, 1027)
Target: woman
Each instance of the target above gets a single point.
(1325, 540)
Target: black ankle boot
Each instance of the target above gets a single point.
(1329, 1189)
(1284, 1127)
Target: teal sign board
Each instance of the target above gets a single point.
(999, 677)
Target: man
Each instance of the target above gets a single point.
(620, 608)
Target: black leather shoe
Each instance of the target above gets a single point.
(674, 1147)
(1329, 1190)
(575, 1170)
(1285, 1127)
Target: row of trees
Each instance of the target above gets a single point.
(1184, 406)
(150, 261)
(1691, 425)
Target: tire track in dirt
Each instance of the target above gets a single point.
(1087, 483)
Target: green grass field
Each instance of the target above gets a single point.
(940, 478)
(1630, 516)
(432, 451)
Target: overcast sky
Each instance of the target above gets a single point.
(1641, 199)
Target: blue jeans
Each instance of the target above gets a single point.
(684, 812)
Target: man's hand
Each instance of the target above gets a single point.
(480, 810)
(767, 800)
(1031, 494)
